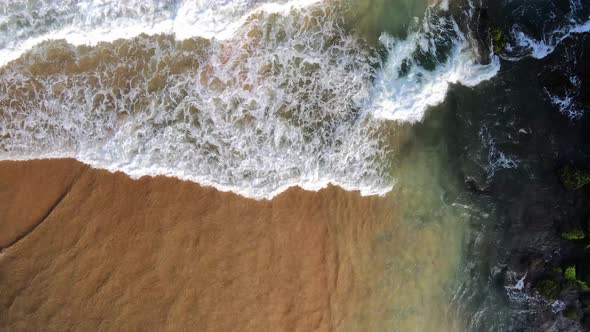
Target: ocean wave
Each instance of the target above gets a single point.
(274, 107)
(540, 48)
(419, 70)
(288, 99)
(88, 22)
(558, 26)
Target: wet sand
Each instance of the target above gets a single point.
(85, 249)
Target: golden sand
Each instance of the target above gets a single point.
(86, 250)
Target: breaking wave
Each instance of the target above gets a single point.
(528, 38)
(559, 25)
(87, 22)
(282, 96)
(420, 69)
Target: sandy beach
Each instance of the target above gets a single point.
(85, 249)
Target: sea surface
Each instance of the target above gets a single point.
(437, 107)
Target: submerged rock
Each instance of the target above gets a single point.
(574, 178)
(571, 313)
(576, 234)
(481, 35)
(570, 273)
(498, 40)
(548, 288)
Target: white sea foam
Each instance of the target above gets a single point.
(560, 26)
(566, 104)
(496, 159)
(404, 89)
(540, 48)
(275, 107)
(517, 292)
(286, 100)
(524, 45)
(89, 22)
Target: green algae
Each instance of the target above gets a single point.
(498, 40)
(576, 234)
(549, 288)
(574, 178)
(571, 313)
(570, 273)
(583, 285)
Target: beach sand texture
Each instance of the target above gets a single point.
(85, 249)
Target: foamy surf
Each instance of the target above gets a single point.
(289, 99)
(528, 40)
(277, 106)
(540, 48)
(405, 88)
(89, 22)
(524, 43)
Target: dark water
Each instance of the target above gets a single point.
(520, 209)
(504, 143)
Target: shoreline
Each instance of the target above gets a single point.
(161, 172)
